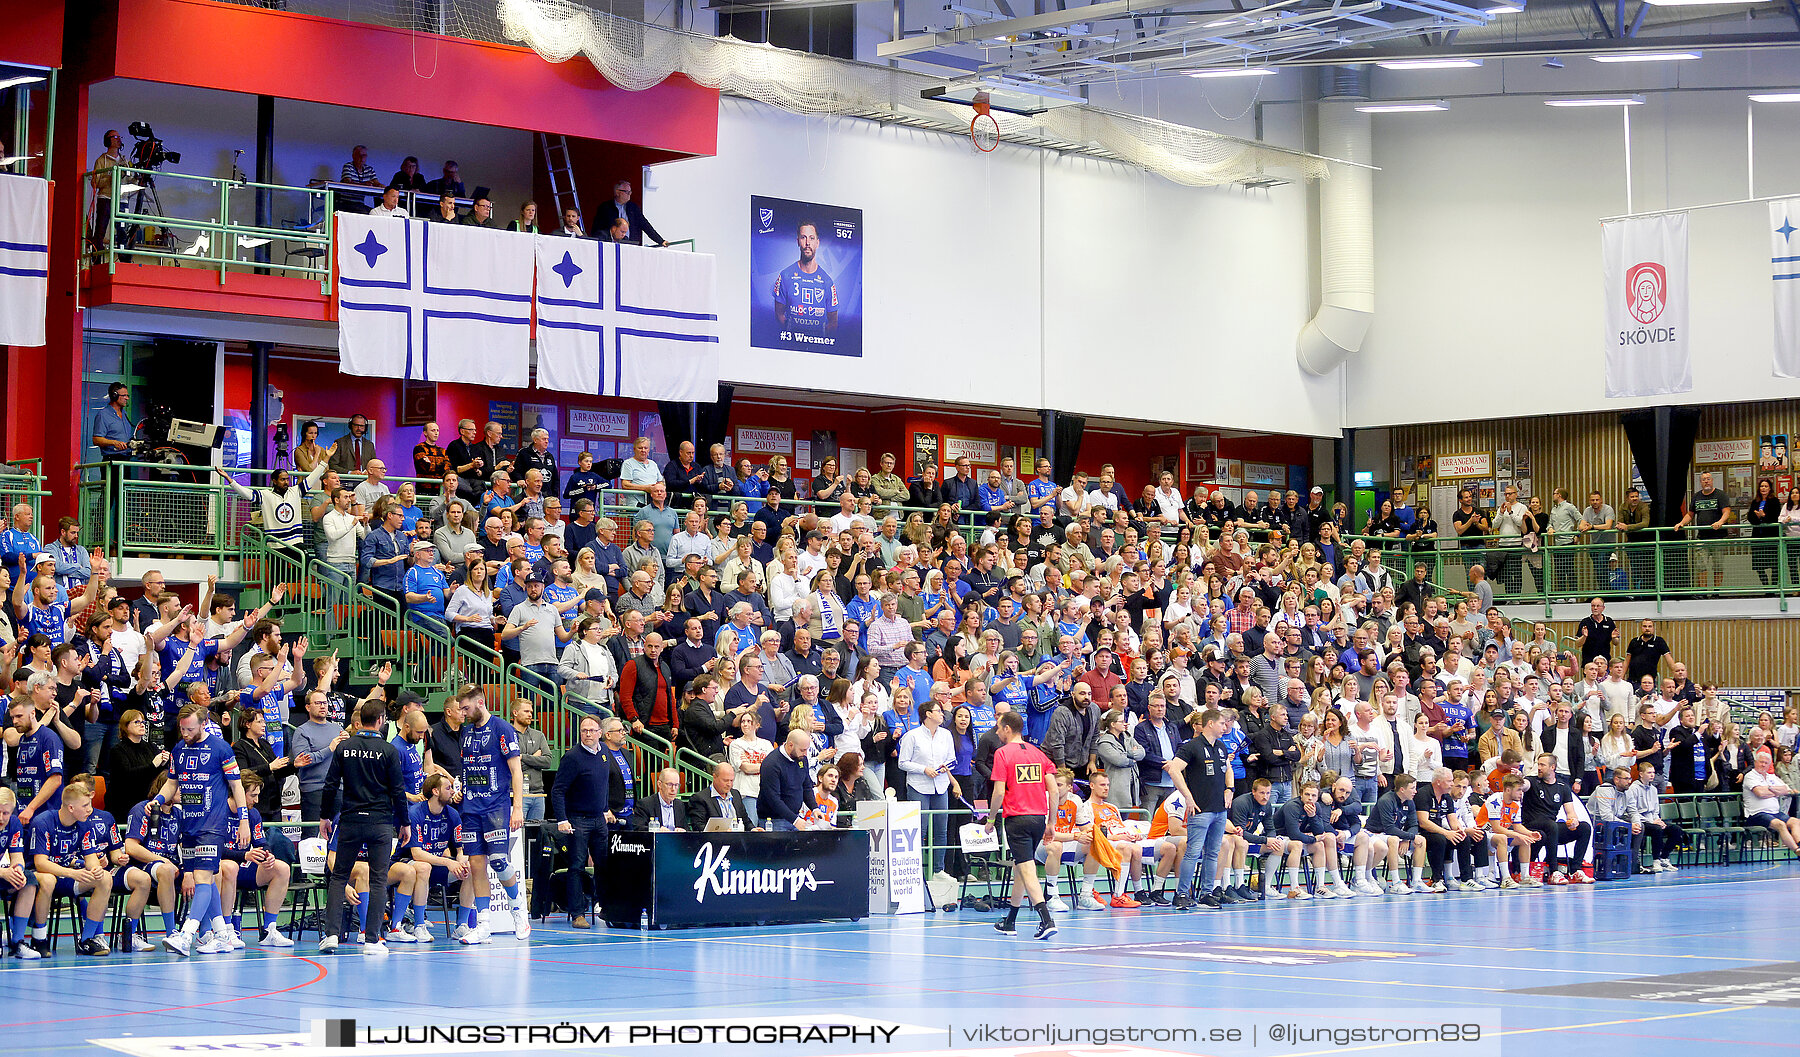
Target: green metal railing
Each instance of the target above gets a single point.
(151, 207)
(151, 509)
(22, 481)
(1680, 565)
(173, 218)
(181, 511)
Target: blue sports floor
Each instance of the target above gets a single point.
(1385, 954)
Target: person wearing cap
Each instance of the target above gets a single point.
(426, 585)
(537, 627)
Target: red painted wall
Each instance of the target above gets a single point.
(315, 388)
(34, 34)
(349, 64)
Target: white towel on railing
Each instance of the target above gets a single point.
(433, 302)
(626, 321)
(25, 259)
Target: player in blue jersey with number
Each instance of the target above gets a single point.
(110, 843)
(436, 837)
(18, 881)
(71, 862)
(152, 842)
(493, 806)
(806, 299)
(186, 653)
(203, 783)
(273, 692)
(253, 867)
(35, 599)
(38, 768)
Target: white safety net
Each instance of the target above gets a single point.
(635, 56)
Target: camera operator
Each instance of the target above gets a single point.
(103, 191)
(112, 430)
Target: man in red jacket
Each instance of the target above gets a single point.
(647, 692)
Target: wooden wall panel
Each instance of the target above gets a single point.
(1729, 652)
(1586, 451)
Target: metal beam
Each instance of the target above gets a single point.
(1637, 23)
(1531, 48)
(1013, 27)
(1601, 16)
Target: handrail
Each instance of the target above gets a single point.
(126, 182)
(205, 519)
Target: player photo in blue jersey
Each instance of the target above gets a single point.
(806, 277)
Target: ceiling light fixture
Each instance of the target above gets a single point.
(1603, 100)
(1417, 106)
(1647, 56)
(1703, 3)
(1428, 64)
(14, 82)
(1506, 9)
(1775, 97)
(1234, 71)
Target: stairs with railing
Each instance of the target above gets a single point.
(369, 628)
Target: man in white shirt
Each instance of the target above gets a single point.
(390, 204)
(1102, 494)
(846, 518)
(1765, 796)
(1620, 698)
(1073, 501)
(1509, 530)
(812, 559)
(638, 473)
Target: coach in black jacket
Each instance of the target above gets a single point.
(365, 791)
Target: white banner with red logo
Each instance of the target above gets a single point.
(1784, 265)
(1648, 349)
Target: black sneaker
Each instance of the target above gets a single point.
(1006, 928)
(1159, 897)
(1227, 897)
(1184, 903)
(1207, 902)
(1045, 930)
(92, 948)
(1245, 893)
(1257, 895)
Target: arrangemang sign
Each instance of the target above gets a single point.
(1715, 452)
(1470, 464)
(981, 451)
(768, 441)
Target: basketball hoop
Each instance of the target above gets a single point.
(984, 132)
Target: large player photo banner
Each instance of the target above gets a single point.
(805, 277)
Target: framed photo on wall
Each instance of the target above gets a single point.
(924, 452)
(418, 403)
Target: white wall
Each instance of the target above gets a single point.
(312, 141)
(1487, 252)
(1178, 303)
(1156, 302)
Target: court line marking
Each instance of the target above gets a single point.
(322, 973)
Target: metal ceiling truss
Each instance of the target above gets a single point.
(1120, 39)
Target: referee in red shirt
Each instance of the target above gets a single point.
(1022, 793)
